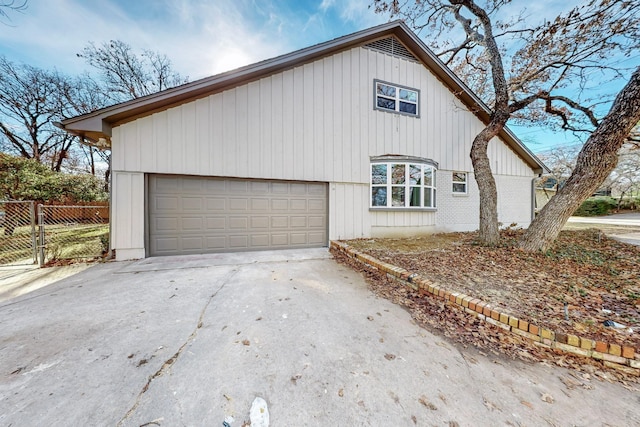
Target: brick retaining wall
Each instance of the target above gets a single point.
(612, 355)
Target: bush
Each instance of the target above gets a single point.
(27, 179)
(596, 206)
(629, 203)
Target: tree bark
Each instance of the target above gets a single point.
(489, 232)
(596, 160)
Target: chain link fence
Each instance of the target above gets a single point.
(18, 233)
(72, 232)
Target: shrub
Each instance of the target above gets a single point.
(596, 206)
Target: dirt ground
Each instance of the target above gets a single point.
(583, 281)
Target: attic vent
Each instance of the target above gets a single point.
(393, 47)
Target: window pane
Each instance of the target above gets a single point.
(379, 196)
(460, 177)
(408, 108)
(415, 197)
(408, 95)
(389, 104)
(379, 174)
(428, 177)
(397, 196)
(427, 198)
(397, 174)
(414, 174)
(386, 90)
(459, 188)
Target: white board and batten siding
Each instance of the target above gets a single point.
(314, 122)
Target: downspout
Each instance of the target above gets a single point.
(533, 197)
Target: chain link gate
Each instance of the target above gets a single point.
(72, 232)
(18, 236)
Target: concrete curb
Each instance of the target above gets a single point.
(612, 355)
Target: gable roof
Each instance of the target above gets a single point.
(97, 126)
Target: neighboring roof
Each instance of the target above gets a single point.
(96, 126)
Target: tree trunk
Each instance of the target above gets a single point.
(489, 232)
(595, 162)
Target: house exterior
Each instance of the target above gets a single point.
(366, 135)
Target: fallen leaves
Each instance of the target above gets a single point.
(584, 269)
(579, 270)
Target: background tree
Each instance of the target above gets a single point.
(125, 75)
(560, 161)
(7, 6)
(31, 99)
(531, 65)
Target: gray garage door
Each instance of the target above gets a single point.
(192, 215)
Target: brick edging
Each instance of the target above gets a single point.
(613, 355)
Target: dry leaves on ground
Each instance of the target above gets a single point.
(583, 281)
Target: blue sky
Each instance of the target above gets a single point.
(201, 37)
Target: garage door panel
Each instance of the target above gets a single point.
(316, 205)
(192, 243)
(238, 205)
(279, 239)
(317, 238)
(298, 222)
(260, 222)
(216, 203)
(191, 224)
(238, 186)
(279, 222)
(167, 244)
(200, 214)
(259, 187)
(192, 203)
(260, 205)
(167, 203)
(317, 222)
(239, 242)
(216, 243)
(192, 184)
(280, 188)
(236, 223)
(259, 240)
(216, 223)
(298, 205)
(166, 224)
(279, 205)
(298, 238)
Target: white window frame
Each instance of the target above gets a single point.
(396, 98)
(456, 182)
(406, 182)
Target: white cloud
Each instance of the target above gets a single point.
(201, 37)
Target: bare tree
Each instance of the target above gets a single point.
(126, 75)
(30, 100)
(560, 161)
(625, 178)
(123, 75)
(529, 66)
(7, 6)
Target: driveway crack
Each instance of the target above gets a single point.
(170, 361)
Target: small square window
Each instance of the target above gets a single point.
(396, 98)
(459, 183)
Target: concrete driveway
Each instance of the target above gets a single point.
(193, 340)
